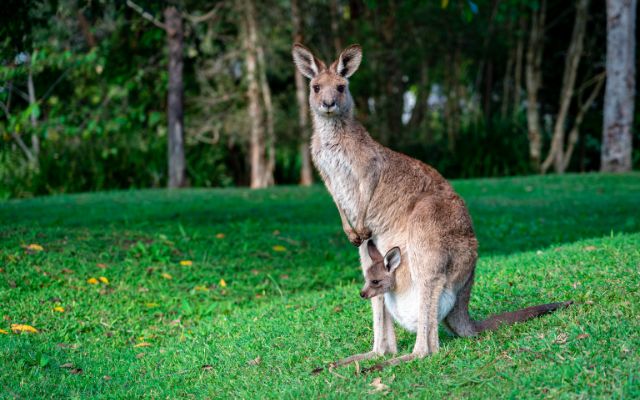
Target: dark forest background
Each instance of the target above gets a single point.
(457, 84)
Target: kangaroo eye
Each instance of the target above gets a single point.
(375, 282)
(316, 88)
(340, 88)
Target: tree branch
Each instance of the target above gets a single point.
(146, 15)
(196, 19)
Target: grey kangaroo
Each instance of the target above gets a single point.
(395, 200)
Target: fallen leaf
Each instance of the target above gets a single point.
(143, 344)
(337, 309)
(106, 378)
(255, 361)
(279, 248)
(207, 367)
(166, 275)
(92, 281)
(67, 365)
(201, 288)
(284, 276)
(220, 236)
(583, 336)
(152, 305)
(104, 280)
(139, 355)
(186, 263)
(561, 338)
(378, 385)
(590, 248)
(76, 371)
(101, 265)
(58, 309)
(3, 332)
(19, 328)
(35, 247)
(66, 271)
(223, 283)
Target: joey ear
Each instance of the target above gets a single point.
(392, 259)
(373, 251)
(306, 62)
(349, 61)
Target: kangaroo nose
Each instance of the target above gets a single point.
(329, 105)
(363, 295)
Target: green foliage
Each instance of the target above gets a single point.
(541, 239)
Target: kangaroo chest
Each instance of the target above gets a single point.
(336, 168)
(405, 307)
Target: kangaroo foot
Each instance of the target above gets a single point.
(348, 360)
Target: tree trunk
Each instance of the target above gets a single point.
(175, 141)
(335, 27)
(572, 61)
(533, 75)
(257, 140)
(517, 79)
(506, 83)
(306, 174)
(620, 87)
(268, 107)
(35, 140)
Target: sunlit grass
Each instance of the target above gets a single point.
(218, 293)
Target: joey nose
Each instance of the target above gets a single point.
(363, 294)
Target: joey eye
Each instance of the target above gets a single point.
(375, 282)
(316, 88)
(341, 88)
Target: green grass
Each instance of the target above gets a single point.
(541, 239)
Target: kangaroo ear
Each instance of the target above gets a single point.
(307, 63)
(349, 61)
(392, 259)
(373, 251)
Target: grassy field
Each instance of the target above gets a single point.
(238, 293)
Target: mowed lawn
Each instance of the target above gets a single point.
(238, 293)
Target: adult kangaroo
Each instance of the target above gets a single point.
(396, 201)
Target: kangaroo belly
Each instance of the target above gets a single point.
(405, 307)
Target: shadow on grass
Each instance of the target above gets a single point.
(510, 215)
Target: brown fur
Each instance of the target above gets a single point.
(396, 200)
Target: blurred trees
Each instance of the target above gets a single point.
(475, 88)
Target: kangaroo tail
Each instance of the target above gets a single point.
(512, 317)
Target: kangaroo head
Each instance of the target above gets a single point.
(380, 275)
(329, 95)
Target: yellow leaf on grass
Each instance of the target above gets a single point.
(186, 263)
(152, 305)
(16, 328)
(58, 309)
(35, 247)
(223, 283)
(220, 236)
(279, 248)
(2, 331)
(201, 288)
(92, 281)
(104, 280)
(166, 275)
(142, 344)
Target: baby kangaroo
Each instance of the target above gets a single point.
(386, 276)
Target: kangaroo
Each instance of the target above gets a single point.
(392, 198)
(381, 277)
